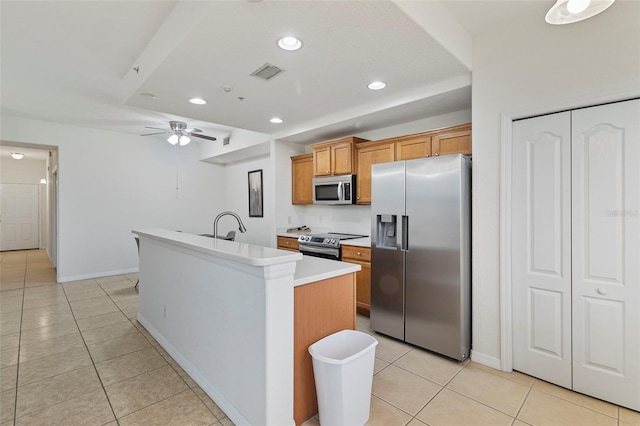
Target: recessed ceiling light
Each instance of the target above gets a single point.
(289, 43)
(17, 155)
(147, 95)
(376, 85)
(276, 120)
(197, 101)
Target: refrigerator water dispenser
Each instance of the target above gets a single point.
(387, 236)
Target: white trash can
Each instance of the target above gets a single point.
(343, 370)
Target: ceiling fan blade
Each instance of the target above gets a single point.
(209, 138)
(159, 133)
(156, 128)
(193, 130)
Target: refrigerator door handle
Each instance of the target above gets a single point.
(405, 233)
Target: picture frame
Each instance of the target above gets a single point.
(256, 196)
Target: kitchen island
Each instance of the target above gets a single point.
(238, 318)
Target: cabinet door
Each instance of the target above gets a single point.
(301, 179)
(342, 158)
(360, 256)
(452, 142)
(368, 156)
(541, 247)
(322, 161)
(411, 148)
(288, 243)
(606, 252)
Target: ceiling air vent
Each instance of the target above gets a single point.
(267, 72)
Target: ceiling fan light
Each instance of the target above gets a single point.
(173, 139)
(17, 155)
(570, 11)
(184, 140)
(577, 6)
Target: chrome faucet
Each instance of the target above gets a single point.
(227, 213)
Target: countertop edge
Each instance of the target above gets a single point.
(248, 254)
(312, 269)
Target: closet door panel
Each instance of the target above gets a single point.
(606, 252)
(541, 256)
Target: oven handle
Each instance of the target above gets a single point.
(320, 250)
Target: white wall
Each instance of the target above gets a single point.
(111, 183)
(286, 214)
(22, 171)
(235, 185)
(526, 68)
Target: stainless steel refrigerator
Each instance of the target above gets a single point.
(421, 252)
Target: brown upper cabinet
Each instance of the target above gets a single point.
(451, 140)
(368, 154)
(301, 175)
(335, 157)
(412, 146)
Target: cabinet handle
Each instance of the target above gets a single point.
(602, 291)
(357, 198)
(358, 253)
(287, 242)
(427, 155)
(437, 155)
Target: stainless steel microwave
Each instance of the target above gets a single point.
(334, 190)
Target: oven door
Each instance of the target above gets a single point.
(317, 251)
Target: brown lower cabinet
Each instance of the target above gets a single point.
(288, 243)
(319, 309)
(362, 257)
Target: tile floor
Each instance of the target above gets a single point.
(74, 354)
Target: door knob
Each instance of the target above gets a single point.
(602, 291)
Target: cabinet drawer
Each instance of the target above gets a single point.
(288, 243)
(357, 253)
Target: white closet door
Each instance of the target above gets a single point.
(541, 241)
(19, 218)
(606, 252)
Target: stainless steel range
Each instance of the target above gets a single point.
(324, 245)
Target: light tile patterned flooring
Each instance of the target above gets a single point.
(74, 354)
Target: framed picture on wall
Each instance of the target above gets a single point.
(255, 193)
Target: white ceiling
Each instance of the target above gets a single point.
(72, 62)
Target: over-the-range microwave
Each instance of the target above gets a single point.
(334, 190)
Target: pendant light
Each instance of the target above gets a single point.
(570, 11)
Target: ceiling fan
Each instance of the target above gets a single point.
(178, 133)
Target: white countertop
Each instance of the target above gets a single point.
(247, 254)
(311, 269)
(359, 242)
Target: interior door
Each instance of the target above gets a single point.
(19, 221)
(541, 247)
(606, 252)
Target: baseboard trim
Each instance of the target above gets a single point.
(97, 275)
(484, 359)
